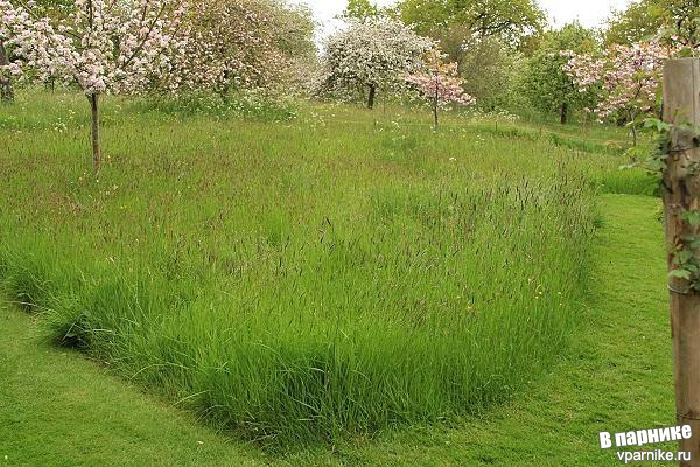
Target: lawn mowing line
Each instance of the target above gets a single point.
(616, 377)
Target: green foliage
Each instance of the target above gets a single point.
(676, 21)
(655, 160)
(362, 10)
(640, 21)
(685, 253)
(681, 21)
(544, 81)
(509, 19)
(482, 38)
(489, 68)
(54, 8)
(686, 249)
(294, 29)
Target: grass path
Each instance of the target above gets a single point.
(56, 409)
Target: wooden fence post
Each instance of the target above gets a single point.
(682, 195)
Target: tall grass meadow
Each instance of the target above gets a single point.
(298, 279)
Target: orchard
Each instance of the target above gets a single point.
(349, 233)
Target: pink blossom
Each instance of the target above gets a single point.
(628, 77)
(81, 48)
(439, 82)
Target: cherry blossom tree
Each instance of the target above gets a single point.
(629, 78)
(236, 44)
(101, 46)
(439, 84)
(371, 55)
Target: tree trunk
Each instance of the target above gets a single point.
(96, 157)
(372, 93)
(7, 92)
(94, 105)
(564, 113)
(681, 196)
(226, 87)
(633, 128)
(435, 117)
(460, 64)
(435, 107)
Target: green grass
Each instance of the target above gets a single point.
(306, 280)
(616, 376)
(57, 409)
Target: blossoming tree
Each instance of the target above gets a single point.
(440, 84)
(628, 76)
(101, 46)
(372, 55)
(236, 44)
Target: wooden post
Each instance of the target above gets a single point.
(682, 194)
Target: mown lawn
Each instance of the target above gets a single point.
(57, 409)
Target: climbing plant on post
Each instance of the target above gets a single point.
(680, 160)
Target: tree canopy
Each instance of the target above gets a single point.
(512, 19)
(370, 56)
(640, 21)
(466, 30)
(545, 82)
(676, 21)
(362, 10)
(238, 44)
